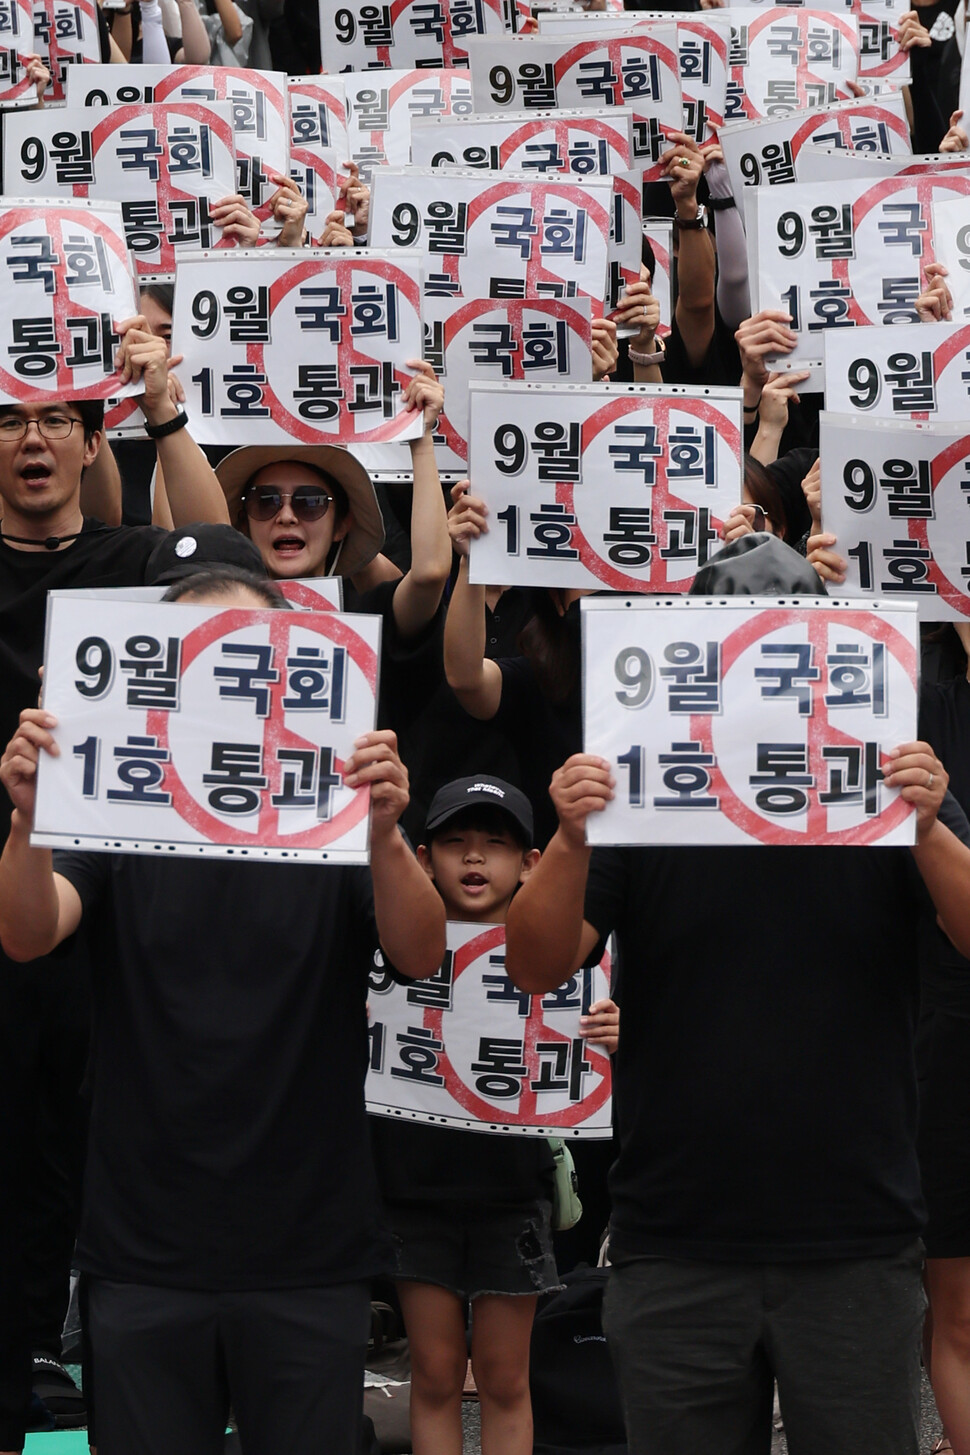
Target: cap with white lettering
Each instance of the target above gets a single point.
(464, 793)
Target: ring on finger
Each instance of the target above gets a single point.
(929, 781)
(685, 161)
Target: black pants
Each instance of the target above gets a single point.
(44, 1034)
(167, 1363)
(697, 1348)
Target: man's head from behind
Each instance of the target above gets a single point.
(44, 450)
(757, 565)
(478, 847)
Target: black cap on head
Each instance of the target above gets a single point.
(477, 792)
(757, 564)
(188, 550)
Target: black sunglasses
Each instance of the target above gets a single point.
(307, 502)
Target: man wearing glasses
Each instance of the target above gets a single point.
(46, 544)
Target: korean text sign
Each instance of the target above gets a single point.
(487, 340)
(582, 143)
(357, 35)
(491, 236)
(897, 497)
(606, 486)
(785, 59)
(283, 344)
(259, 112)
(164, 163)
(835, 257)
(468, 1049)
(66, 36)
(196, 730)
(16, 39)
(749, 721)
(918, 371)
(66, 283)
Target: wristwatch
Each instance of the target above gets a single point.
(695, 224)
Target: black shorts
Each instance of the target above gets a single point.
(943, 1059)
(474, 1248)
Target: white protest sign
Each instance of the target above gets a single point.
(702, 47)
(639, 70)
(260, 122)
(581, 143)
(356, 35)
(163, 163)
(919, 371)
(951, 236)
(786, 149)
(285, 344)
(199, 730)
(748, 721)
(16, 38)
(482, 340)
(382, 107)
(659, 233)
(319, 145)
(494, 235)
(879, 54)
(833, 258)
(602, 485)
(785, 60)
(897, 497)
(964, 99)
(67, 283)
(468, 1049)
(66, 36)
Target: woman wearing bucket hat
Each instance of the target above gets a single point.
(311, 510)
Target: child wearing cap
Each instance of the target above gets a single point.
(470, 1214)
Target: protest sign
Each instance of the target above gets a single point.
(702, 48)
(483, 340)
(951, 240)
(786, 60)
(496, 235)
(581, 143)
(468, 1049)
(260, 123)
(382, 106)
(356, 35)
(617, 486)
(749, 721)
(66, 36)
(68, 284)
(280, 344)
(197, 730)
(16, 39)
(896, 496)
(165, 164)
(639, 70)
(786, 149)
(834, 258)
(319, 145)
(919, 371)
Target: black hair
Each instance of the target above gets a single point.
(648, 257)
(764, 492)
(484, 817)
(219, 580)
(550, 640)
(161, 293)
(90, 410)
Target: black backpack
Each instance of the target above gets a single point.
(575, 1399)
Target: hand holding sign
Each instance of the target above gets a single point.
(18, 766)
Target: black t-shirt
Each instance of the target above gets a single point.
(228, 1144)
(765, 1082)
(944, 723)
(101, 556)
(419, 1164)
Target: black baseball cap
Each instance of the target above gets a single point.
(757, 564)
(191, 548)
(479, 792)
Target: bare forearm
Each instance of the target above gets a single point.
(195, 38)
(944, 863)
(695, 291)
(466, 667)
(766, 443)
(29, 907)
(419, 595)
(101, 487)
(189, 481)
(409, 911)
(545, 921)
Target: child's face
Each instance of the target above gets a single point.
(477, 870)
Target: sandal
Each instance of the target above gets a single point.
(942, 1446)
(52, 1384)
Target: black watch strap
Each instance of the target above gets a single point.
(171, 426)
(721, 204)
